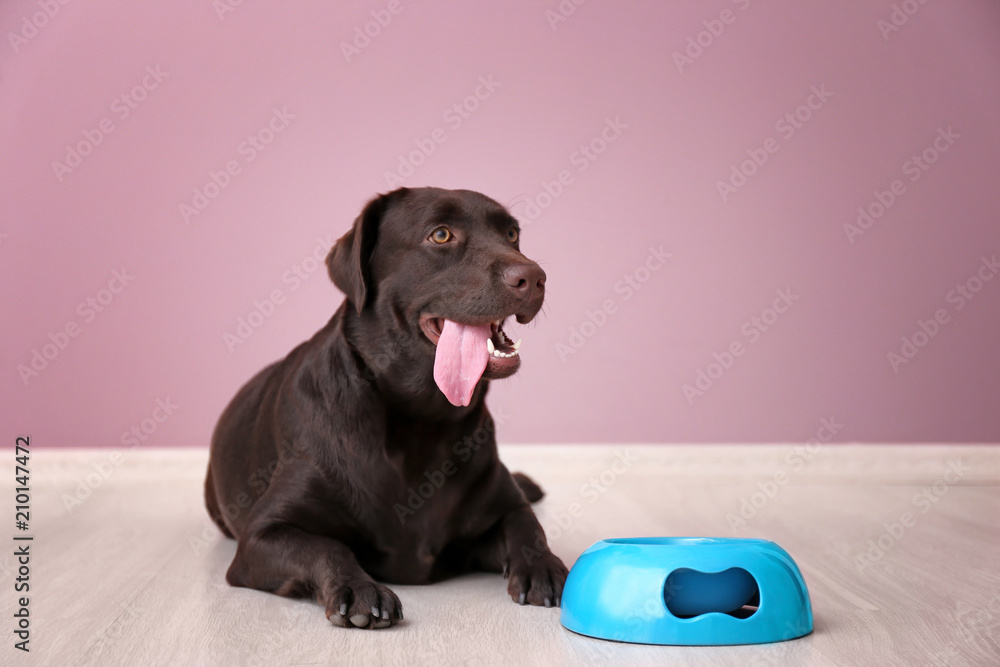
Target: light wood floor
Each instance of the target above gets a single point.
(134, 573)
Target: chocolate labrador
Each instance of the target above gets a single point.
(367, 454)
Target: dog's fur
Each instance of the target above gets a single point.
(344, 465)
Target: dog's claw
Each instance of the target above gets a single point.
(363, 604)
(505, 570)
(539, 583)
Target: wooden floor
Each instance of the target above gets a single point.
(127, 569)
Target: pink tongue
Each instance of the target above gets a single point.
(460, 360)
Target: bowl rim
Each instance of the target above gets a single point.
(684, 541)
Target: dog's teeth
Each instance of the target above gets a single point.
(517, 345)
(490, 346)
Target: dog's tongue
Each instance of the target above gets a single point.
(460, 360)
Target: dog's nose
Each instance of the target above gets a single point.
(525, 279)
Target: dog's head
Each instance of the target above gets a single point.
(442, 270)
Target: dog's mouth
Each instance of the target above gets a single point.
(499, 344)
(467, 352)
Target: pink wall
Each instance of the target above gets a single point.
(664, 131)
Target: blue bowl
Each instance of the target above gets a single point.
(687, 591)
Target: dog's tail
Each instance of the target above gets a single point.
(531, 491)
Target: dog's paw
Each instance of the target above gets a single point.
(363, 604)
(537, 580)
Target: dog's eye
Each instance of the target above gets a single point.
(512, 235)
(441, 235)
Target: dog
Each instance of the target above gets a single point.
(367, 455)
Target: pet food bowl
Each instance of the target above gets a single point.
(687, 591)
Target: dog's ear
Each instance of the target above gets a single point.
(349, 258)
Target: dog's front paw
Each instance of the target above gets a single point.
(537, 579)
(363, 604)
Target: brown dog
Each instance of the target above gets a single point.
(368, 454)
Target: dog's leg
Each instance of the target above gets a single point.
(517, 547)
(288, 561)
(532, 492)
(534, 574)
